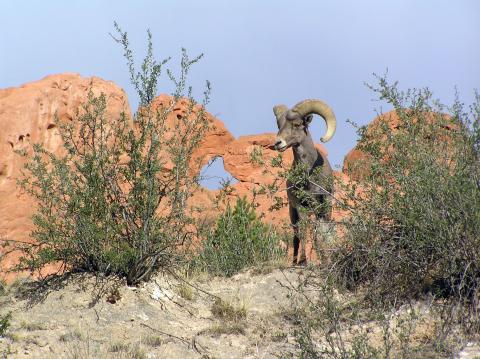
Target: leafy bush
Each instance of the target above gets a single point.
(109, 204)
(332, 324)
(415, 217)
(412, 230)
(239, 239)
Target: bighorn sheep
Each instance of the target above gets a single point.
(293, 132)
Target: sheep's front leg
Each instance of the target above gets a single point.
(324, 231)
(302, 235)
(294, 220)
(298, 236)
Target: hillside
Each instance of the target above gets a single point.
(82, 317)
(164, 318)
(392, 273)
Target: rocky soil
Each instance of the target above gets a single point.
(246, 316)
(165, 318)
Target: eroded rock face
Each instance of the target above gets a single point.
(27, 113)
(357, 163)
(249, 158)
(215, 140)
(26, 117)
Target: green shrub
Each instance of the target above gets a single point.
(4, 323)
(239, 240)
(3, 287)
(412, 231)
(98, 204)
(332, 324)
(414, 225)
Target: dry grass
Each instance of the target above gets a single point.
(224, 310)
(186, 291)
(268, 267)
(118, 347)
(86, 349)
(31, 326)
(227, 328)
(153, 341)
(15, 337)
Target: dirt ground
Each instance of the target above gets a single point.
(165, 318)
(245, 316)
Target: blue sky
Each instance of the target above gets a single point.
(257, 53)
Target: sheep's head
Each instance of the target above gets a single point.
(293, 123)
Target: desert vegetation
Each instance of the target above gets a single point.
(410, 238)
(238, 240)
(109, 204)
(396, 276)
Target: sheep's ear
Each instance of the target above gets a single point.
(308, 119)
(279, 112)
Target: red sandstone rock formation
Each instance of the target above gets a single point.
(357, 163)
(215, 140)
(239, 158)
(27, 117)
(248, 159)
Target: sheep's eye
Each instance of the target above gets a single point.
(297, 125)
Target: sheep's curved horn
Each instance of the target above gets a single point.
(320, 108)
